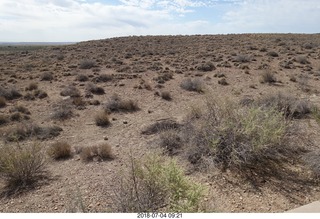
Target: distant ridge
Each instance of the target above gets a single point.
(35, 43)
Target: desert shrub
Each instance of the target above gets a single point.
(170, 141)
(163, 77)
(161, 126)
(193, 85)
(312, 160)
(22, 166)
(238, 138)
(223, 82)
(95, 89)
(102, 78)
(156, 184)
(28, 130)
(3, 119)
(272, 54)
(10, 93)
(59, 150)
(71, 91)
(166, 95)
(82, 77)
(116, 104)
(32, 86)
(79, 102)
(302, 60)
(62, 111)
(97, 153)
(243, 58)
(40, 94)
(46, 76)
(268, 76)
(15, 116)
(208, 66)
(102, 119)
(289, 106)
(87, 64)
(20, 109)
(3, 102)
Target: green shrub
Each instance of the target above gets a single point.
(155, 184)
(238, 138)
(59, 150)
(22, 166)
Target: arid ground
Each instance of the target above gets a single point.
(166, 78)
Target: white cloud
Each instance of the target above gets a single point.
(77, 20)
(273, 16)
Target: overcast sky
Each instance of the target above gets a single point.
(80, 20)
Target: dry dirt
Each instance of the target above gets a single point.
(134, 64)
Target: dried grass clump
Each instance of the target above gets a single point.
(97, 153)
(3, 102)
(208, 66)
(87, 64)
(161, 126)
(193, 85)
(10, 93)
(22, 167)
(268, 77)
(166, 95)
(116, 104)
(94, 89)
(59, 150)
(154, 184)
(71, 91)
(290, 106)
(102, 119)
(46, 76)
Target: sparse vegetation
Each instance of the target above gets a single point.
(302, 60)
(161, 126)
(193, 85)
(28, 130)
(166, 95)
(21, 167)
(156, 184)
(10, 93)
(289, 106)
(3, 120)
(82, 77)
(71, 91)
(95, 89)
(97, 153)
(46, 76)
(116, 104)
(208, 66)
(62, 111)
(87, 64)
(59, 150)
(170, 141)
(268, 77)
(3, 102)
(102, 119)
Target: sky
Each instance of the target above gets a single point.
(82, 20)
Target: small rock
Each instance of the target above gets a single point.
(150, 111)
(105, 138)
(125, 122)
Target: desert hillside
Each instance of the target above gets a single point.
(237, 113)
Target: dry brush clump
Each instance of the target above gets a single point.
(290, 106)
(22, 167)
(116, 104)
(102, 119)
(97, 153)
(87, 64)
(156, 184)
(10, 93)
(243, 139)
(62, 110)
(268, 76)
(3, 102)
(28, 130)
(71, 91)
(92, 88)
(59, 150)
(193, 85)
